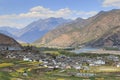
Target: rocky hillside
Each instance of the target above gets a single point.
(82, 31)
(111, 38)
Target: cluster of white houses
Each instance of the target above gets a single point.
(65, 62)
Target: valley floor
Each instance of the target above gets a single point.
(72, 67)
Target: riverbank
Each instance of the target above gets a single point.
(102, 51)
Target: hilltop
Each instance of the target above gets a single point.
(9, 43)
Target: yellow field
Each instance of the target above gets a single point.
(52, 52)
(6, 65)
(105, 69)
(26, 44)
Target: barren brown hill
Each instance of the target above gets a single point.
(83, 31)
(6, 41)
(111, 38)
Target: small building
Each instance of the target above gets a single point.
(26, 59)
(99, 62)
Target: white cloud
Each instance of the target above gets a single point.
(22, 19)
(109, 3)
(41, 12)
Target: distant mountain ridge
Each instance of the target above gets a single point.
(86, 31)
(9, 29)
(37, 29)
(8, 34)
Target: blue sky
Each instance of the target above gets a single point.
(19, 13)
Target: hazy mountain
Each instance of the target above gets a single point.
(9, 29)
(81, 31)
(8, 34)
(37, 29)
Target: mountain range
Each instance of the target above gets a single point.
(9, 29)
(100, 30)
(34, 30)
(8, 34)
(37, 29)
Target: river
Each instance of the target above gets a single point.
(84, 50)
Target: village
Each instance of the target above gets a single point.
(82, 65)
(27, 62)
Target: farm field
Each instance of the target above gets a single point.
(14, 69)
(99, 69)
(6, 72)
